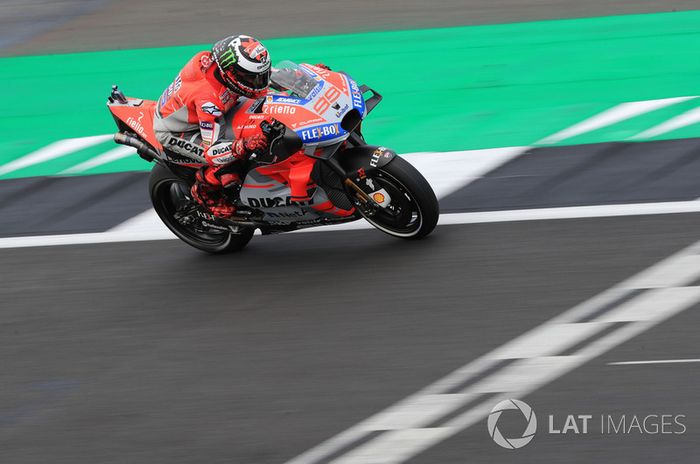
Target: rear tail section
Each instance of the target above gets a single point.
(135, 116)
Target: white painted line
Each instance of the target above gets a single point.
(674, 273)
(450, 171)
(686, 119)
(614, 115)
(552, 339)
(394, 446)
(147, 222)
(418, 412)
(52, 151)
(657, 361)
(147, 225)
(672, 299)
(572, 212)
(107, 157)
(535, 365)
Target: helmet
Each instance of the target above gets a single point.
(243, 64)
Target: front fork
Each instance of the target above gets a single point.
(366, 201)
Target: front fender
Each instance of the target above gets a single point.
(365, 159)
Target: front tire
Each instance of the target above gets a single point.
(413, 211)
(169, 193)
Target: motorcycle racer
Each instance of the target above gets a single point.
(189, 115)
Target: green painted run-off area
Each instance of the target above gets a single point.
(445, 89)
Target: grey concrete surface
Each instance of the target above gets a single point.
(154, 352)
(136, 23)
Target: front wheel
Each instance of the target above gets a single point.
(170, 195)
(413, 211)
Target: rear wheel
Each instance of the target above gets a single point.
(170, 195)
(413, 210)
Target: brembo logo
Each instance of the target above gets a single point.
(529, 418)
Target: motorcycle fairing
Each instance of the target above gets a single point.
(286, 188)
(137, 114)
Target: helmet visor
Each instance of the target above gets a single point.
(253, 80)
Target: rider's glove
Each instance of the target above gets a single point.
(246, 146)
(323, 66)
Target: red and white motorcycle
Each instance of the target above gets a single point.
(317, 171)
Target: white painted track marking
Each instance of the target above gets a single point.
(611, 116)
(656, 361)
(52, 151)
(534, 365)
(107, 157)
(449, 171)
(147, 226)
(686, 119)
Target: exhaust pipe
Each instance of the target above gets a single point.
(142, 149)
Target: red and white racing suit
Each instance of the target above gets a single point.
(189, 122)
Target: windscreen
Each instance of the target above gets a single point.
(290, 77)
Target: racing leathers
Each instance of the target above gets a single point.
(189, 124)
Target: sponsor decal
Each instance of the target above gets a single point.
(180, 159)
(307, 122)
(316, 90)
(376, 155)
(279, 109)
(136, 123)
(214, 226)
(259, 53)
(255, 107)
(224, 160)
(378, 197)
(228, 57)
(205, 61)
(341, 111)
(321, 71)
(206, 125)
(205, 215)
(286, 214)
(226, 96)
(185, 145)
(278, 99)
(361, 174)
(273, 202)
(381, 197)
(358, 101)
(169, 91)
(211, 108)
(320, 133)
(220, 150)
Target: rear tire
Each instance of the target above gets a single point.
(416, 206)
(169, 193)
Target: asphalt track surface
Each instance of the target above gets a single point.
(56, 27)
(154, 352)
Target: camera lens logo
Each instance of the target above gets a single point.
(530, 419)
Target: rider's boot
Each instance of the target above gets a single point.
(208, 191)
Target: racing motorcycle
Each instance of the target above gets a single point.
(317, 170)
